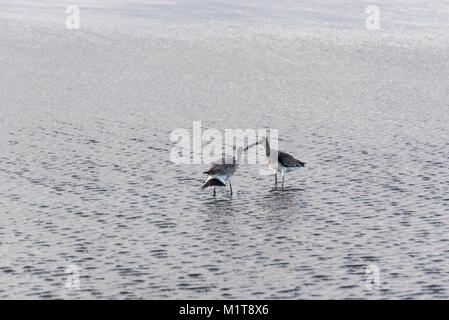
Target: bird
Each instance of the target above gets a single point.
(220, 172)
(284, 162)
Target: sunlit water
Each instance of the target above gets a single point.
(87, 181)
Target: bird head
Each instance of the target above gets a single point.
(264, 141)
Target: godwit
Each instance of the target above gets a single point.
(219, 173)
(284, 164)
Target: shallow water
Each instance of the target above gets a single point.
(87, 180)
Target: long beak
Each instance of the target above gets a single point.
(250, 146)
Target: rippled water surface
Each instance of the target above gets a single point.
(86, 177)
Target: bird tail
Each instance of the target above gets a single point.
(300, 164)
(213, 182)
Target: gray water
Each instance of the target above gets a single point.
(86, 177)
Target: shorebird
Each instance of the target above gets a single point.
(220, 172)
(284, 163)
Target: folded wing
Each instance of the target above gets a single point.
(288, 161)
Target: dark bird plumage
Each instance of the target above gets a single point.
(213, 182)
(288, 161)
(221, 169)
(221, 172)
(283, 163)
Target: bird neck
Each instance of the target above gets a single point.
(267, 148)
(237, 155)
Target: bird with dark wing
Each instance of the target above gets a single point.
(219, 173)
(279, 161)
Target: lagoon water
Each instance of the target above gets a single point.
(86, 177)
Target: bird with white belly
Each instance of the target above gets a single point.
(278, 161)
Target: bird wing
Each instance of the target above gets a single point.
(214, 169)
(221, 169)
(288, 161)
(211, 181)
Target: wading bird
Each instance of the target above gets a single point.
(279, 161)
(220, 172)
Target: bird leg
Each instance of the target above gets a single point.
(282, 181)
(230, 186)
(214, 191)
(275, 179)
